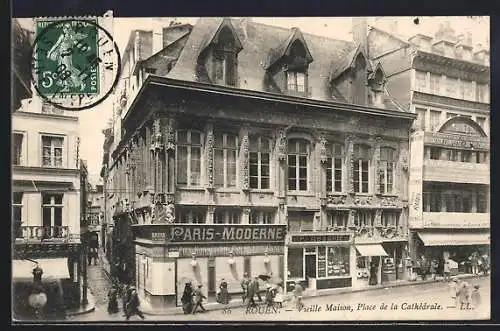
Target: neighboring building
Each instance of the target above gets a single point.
(445, 81)
(241, 147)
(46, 203)
(94, 215)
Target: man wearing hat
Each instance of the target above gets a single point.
(198, 299)
(133, 305)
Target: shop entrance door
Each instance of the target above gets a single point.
(311, 270)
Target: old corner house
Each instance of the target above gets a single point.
(242, 147)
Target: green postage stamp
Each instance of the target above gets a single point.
(66, 55)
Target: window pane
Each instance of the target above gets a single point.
(303, 185)
(182, 164)
(195, 165)
(303, 173)
(17, 198)
(219, 167)
(264, 157)
(46, 199)
(302, 147)
(58, 216)
(57, 142)
(231, 141)
(329, 179)
(291, 160)
(295, 262)
(58, 157)
(265, 183)
(292, 184)
(195, 138)
(254, 182)
(231, 168)
(292, 83)
(303, 161)
(46, 217)
(300, 82)
(46, 156)
(58, 199)
(364, 187)
(264, 170)
(254, 170)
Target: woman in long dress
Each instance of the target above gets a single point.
(278, 298)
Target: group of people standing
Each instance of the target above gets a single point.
(463, 296)
(192, 299)
(251, 289)
(130, 300)
(432, 267)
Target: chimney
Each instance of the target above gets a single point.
(157, 42)
(360, 33)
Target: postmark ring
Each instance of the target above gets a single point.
(72, 69)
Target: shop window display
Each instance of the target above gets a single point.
(337, 261)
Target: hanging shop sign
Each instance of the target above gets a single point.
(211, 233)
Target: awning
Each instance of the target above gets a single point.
(52, 268)
(371, 250)
(454, 239)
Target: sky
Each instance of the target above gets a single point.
(94, 120)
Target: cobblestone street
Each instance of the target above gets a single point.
(99, 284)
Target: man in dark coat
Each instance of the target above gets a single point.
(187, 298)
(133, 305)
(112, 300)
(198, 299)
(245, 284)
(256, 288)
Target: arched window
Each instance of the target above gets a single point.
(334, 167)
(386, 170)
(298, 161)
(361, 172)
(225, 70)
(260, 153)
(225, 157)
(189, 158)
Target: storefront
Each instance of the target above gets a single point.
(320, 261)
(369, 260)
(456, 245)
(169, 256)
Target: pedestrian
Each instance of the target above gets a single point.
(223, 295)
(463, 295)
(278, 297)
(89, 256)
(446, 270)
(433, 269)
(256, 286)
(250, 295)
(474, 264)
(269, 295)
(187, 298)
(298, 292)
(113, 300)
(475, 297)
(133, 304)
(424, 267)
(198, 299)
(245, 283)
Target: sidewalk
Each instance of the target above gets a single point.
(90, 307)
(236, 302)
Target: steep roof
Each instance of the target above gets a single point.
(259, 41)
(264, 44)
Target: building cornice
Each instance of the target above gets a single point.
(447, 102)
(48, 171)
(46, 115)
(454, 62)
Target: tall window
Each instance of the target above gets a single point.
(386, 170)
(361, 168)
(225, 66)
(435, 83)
(364, 218)
(435, 119)
(260, 151)
(390, 218)
(225, 156)
(338, 218)
(298, 159)
(17, 145)
(189, 158)
(420, 120)
(421, 81)
(261, 217)
(334, 167)
(52, 207)
(52, 151)
(190, 215)
(227, 216)
(17, 207)
(296, 81)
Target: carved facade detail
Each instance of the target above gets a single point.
(244, 170)
(157, 138)
(282, 146)
(351, 219)
(336, 200)
(349, 148)
(362, 201)
(323, 158)
(376, 160)
(403, 160)
(170, 134)
(390, 202)
(209, 150)
(378, 217)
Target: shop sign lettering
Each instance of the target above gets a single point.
(321, 238)
(219, 233)
(462, 143)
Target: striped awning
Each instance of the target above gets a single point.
(371, 250)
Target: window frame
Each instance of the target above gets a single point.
(53, 148)
(390, 165)
(293, 75)
(335, 215)
(52, 205)
(262, 216)
(260, 151)
(228, 214)
(332, 168)
(190, 214)
(297, 155)
(189, 153)
(358, 168)
(17, 150)
(225, 160)
(390, 214)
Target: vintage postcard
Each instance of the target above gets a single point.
(250, 169)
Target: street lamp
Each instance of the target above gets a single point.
(37, 299)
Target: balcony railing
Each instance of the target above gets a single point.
(45, 233)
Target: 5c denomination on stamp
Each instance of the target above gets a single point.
(75, 63)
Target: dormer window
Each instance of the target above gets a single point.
(225, 59)
(296, 81)
(296, 68)
(376, 81)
